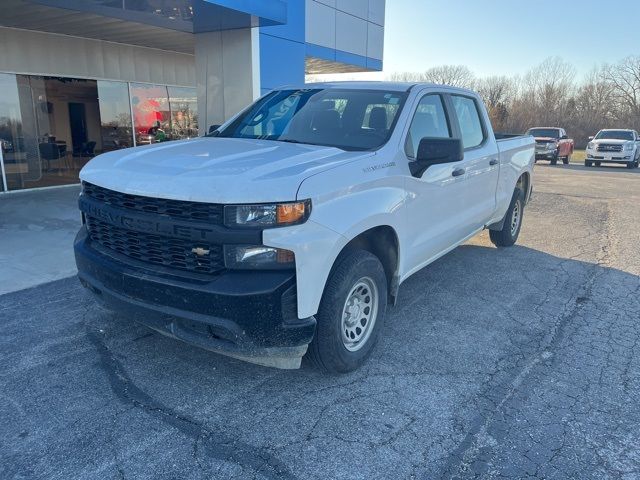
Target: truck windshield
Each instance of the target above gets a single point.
(614, 135)
(544, 132)
(347, 119)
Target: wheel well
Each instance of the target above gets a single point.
(523, 184)
(383, 243)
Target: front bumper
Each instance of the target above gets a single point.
(623, 157)
(247, 315)
(544, 154)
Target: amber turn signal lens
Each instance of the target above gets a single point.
(285, 256)
(291, 212)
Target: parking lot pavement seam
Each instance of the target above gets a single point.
(230, 450)
(460, 461)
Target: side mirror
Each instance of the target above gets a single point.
(564, 137)
(591, 137)
(433, 151)
(213, 128)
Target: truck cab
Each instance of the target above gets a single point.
(289, 229)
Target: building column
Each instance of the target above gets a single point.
(227, 74)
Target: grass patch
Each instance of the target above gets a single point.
(578, 156)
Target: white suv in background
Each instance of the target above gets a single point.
(614, 146)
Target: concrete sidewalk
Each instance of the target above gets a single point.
(37, 229)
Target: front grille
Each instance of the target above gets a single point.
(208, 212)
(603, 147)
(156, 249)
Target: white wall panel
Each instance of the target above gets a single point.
(320, 24)
(351, 34)
(29, 52)
(375, 41)
(376, 11)
(358, 8)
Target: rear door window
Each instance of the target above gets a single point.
(469, 121)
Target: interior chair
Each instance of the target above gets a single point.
(48, 152)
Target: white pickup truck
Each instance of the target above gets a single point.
(290, 228)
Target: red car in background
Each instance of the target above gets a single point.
(552, 143)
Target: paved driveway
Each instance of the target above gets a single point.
(522, 362)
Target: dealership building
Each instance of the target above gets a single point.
(82, 77)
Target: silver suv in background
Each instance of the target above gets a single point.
(614, 146)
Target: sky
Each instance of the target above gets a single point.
(508, 37)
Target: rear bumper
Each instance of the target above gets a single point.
(248, 315)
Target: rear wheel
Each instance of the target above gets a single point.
(512, 223)
(351, 313)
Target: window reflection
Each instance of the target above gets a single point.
(115, 115)
(151, 115)
(184, 112)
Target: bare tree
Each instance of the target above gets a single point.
(498, 93)
(624, 77)
(454, 75)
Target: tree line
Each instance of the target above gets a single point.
(552, 95)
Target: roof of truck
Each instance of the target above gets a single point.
(370, 85)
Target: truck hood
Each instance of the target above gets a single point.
(546, 139)
(215, 170)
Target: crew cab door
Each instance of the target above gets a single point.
(481, 161)
(435, 198)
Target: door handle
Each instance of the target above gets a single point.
(458, 171)
(493, 161)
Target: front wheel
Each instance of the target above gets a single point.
(351, 313)
(512, 222)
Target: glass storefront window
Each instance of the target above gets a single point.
(115, 115)
(10, 124)
(183, 103)
(50, 127)
(151, 114)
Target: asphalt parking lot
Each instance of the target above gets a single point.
(514, 363)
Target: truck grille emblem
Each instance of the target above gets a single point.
(201, 252)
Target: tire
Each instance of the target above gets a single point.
(631, 165)
(510, 230)
(554, 161)
(598, 164)
(587, 163)
(356, 277)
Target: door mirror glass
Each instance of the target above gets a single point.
(564, 137)
(433, 151)
(591, 138)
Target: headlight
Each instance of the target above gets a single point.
(591, 146)
(552, 145)
(628, 147)
(269, 215)
(243, 257)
